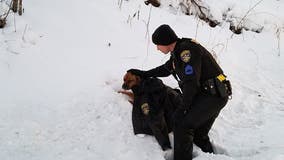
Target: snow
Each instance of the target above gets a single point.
(61, 70)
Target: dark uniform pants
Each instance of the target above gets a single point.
(194, 127)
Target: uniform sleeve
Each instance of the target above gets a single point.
(161, 71)
(191, 70)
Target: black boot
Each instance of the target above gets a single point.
(203, 143)
(201, 138)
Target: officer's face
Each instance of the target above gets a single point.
(164, 49)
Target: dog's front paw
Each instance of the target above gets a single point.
(141, 135)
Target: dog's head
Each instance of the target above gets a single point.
(130, 80)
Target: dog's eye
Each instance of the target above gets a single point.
(129, 81)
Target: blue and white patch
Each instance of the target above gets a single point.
(188, 70)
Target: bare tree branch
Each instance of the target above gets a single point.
(20, 7)
(15, 6)
(3, 20)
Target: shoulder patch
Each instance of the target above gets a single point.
(194, 41)
(185, 56)
(188, 70)
(145, 108)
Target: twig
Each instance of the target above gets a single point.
(219, 44)
(10, 7)
(257, 58)
(200, 8)
(3, 20)
(278, 32)
(249, 11)
(20, 11)
(147, 34)
(15, 5)
(247, 15)
(148, 22)
(138, 12)
(23, 37)
(120, 4)
(197, 26)
(15, 23)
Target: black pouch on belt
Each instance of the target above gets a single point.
(211, 85)
(224, 87)
(228, 87)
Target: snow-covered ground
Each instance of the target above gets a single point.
(61, 70)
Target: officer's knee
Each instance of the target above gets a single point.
(190, 125)
(201, 139)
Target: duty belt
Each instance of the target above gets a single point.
(218, 86)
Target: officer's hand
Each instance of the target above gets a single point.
(137, 72)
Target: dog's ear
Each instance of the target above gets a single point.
(138, 79)
(125, 77)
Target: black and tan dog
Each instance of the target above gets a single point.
(153, 106)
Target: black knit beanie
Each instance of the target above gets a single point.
(164, 35)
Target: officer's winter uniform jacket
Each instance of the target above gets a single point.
(152, 110)
(192, 64)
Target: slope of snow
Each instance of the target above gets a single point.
(61, 70)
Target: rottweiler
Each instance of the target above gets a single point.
(153, 105)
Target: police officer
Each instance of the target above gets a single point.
(204, 87)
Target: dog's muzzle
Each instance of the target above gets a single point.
(125, 86)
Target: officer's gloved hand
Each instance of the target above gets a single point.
(138, 72)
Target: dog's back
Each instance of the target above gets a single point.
(172, 101)
(153, 106)
(162, 100)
